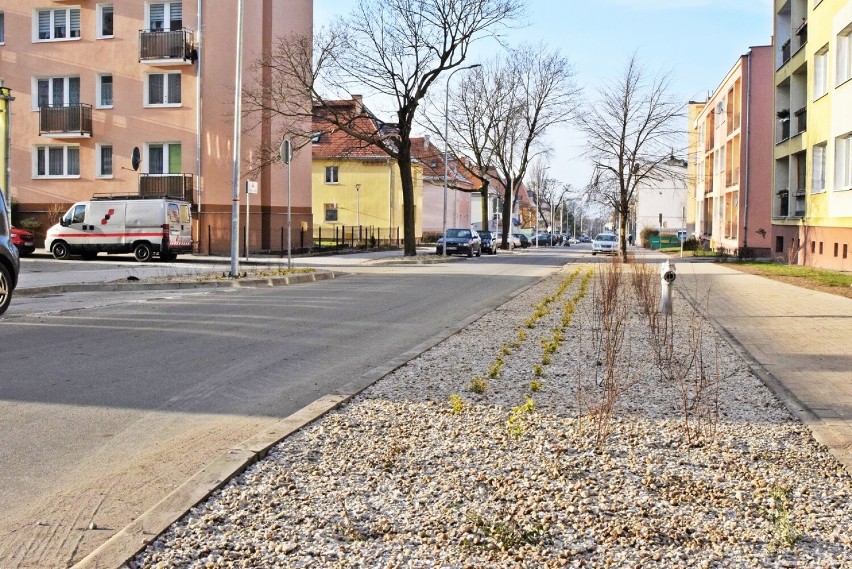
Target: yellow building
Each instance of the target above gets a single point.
(355, 185)
(813, 151)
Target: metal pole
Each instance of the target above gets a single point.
(247, 223)
(289, 212)
(6, 95)
(447, 149)
(235, 207)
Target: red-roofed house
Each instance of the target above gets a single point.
(459, 188)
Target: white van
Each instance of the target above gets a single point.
(138, 225)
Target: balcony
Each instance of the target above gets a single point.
(73, 121)
(800, 207)
(179, 186)
(783, 203)
(167, 48)
(801, 120)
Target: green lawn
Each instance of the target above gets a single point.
(820, 277)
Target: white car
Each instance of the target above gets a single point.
(605, 243)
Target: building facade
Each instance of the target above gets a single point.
(662, 204)
(133, 96)
(357, 190)
(812, 185)
(731, 134)
(459, 189)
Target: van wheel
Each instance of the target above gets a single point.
(60, 250)
(5, 288)
(142, 252)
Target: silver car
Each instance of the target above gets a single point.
(605, 243)
(9, 262)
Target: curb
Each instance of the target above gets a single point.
(248, 282)
(122, 547)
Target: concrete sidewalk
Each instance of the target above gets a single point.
(799, 341)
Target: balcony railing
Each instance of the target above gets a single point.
(801, 120)
(785, 131)
(785, 52)
(169, 47)
(71, 121)
(783, 203)
(800, 204)
(179, 186)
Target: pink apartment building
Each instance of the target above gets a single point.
(127, 96)
(733, 161)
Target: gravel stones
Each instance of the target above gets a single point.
(397, 478)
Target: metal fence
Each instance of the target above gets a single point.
(355, 236)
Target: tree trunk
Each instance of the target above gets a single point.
(622, 227)
(407, 181)
(507, 216)
(486, 221)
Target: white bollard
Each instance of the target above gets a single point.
(667, 277)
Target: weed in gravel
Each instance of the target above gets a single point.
(457, 406)
(504, 533)
(478, 385)
(784, 533)
(516, 424)
(535, 386)
(538, 370)
(495, 369)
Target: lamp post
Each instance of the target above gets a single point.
(358, 210)
(447, 149)
(235, 206)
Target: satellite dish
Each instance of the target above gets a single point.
(135, 158)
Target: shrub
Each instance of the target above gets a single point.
(478, 385)
(645, 235)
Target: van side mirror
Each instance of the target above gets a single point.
(64, 222)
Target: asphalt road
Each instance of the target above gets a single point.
(108, 401)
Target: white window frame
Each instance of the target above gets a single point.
(844, 55)
(167, 16)
(821, 73)
(166, 98)
(818, 168)
(99, 33)
(68, 12)
(99, 162)
(46, 148)
(166, 146)
(332, 174)
(66, 89)
(843, 162)
(99, 101)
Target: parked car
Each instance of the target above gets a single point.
(9, 260)
(460, 241)
(573, 240)
(490, 241)
(585, 239)
(521, 240)
(605, 243)
(542, 239)
(24, 241)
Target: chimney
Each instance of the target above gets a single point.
(425, 142)
(359, 103)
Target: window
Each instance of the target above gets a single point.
(843, 160)
(2, 28)
(105, 12)
(818, 169)
(331, 174)
(57, 92)
(57, 161)
(163, 89)
(105, 91)
(165, 16)
(844, 55)
(779, 244)
(57, 24)
(821, 73)
(331, 212)
(104, 160)
(164, 158)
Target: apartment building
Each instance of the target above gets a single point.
(812, 186)
(137, 97)
(731, 146)
(662, 203)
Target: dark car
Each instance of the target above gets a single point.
(585, 239)
(543, 239)
(9, 262)
(523, 239)
(490, 242)
(23, 240)
(460, 241)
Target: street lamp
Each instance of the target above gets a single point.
(358, 210)
(447, 148)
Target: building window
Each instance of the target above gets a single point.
(331, 174)
(818, 168)
(843, 146)
(845, 250)
(821, 73)
(105, 91)
(164, 158)
(836, 249)
(104, 161)
(105, 12)
(57, 92)
(844, 55)
(57, 24)
(779, 244)
(331, 213)
(165, 16)
(163, 90)
(57, 161)
(820, 247)
(2, 28)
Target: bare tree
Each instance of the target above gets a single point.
(631, 130)
(394, 49)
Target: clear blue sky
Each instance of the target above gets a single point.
(698, 41)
